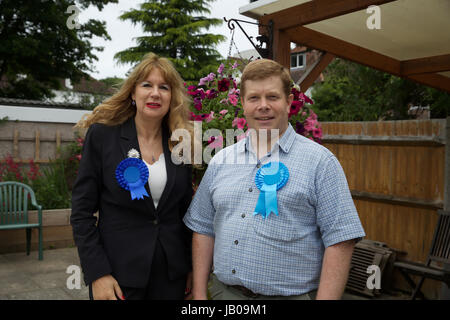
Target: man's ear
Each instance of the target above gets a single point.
(290, 98)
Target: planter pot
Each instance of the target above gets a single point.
(57, 232)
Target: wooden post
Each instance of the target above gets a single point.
(16, 145)
(37, 147)
(58, 144)
(445, 291)
(281, 48)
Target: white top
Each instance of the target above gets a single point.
(157, 178)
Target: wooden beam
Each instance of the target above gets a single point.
(314, 71)
(316, 10)
(348, 51)
(323, 42)
(281, 48)
(426, 65)
(432, 80)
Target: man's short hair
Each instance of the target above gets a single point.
(264, 68)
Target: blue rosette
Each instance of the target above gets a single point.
(270, 178)
(132, 175)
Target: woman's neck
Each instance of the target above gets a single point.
(148, 130)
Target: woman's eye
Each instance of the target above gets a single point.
(165, 88)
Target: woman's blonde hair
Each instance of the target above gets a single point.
(119, 108)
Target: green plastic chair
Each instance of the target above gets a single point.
(14, 199)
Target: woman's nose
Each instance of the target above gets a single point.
(155, 92)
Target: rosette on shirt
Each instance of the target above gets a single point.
(270, 178)
(132, 175)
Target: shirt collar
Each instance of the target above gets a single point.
(285, 142)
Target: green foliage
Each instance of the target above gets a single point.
(37, 48)
(53, 183)
(113, 82)
(175, 30)
(352, 92)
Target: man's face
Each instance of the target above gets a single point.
(265, 104)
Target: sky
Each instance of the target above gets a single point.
(122, 33)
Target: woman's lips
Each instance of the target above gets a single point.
(153, 105)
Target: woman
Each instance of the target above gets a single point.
(139, 248)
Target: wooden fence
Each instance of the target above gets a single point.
(34, 140)
(395, 171)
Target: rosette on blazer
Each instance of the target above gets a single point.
(270, 178)
(132, 175)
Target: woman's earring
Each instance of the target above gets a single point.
(133, 103)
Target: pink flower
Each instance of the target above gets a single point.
(303, 97)
(80, 142)
(235, 65)
(295, 107)
(233, 99)
(223, 112)
(221, 67)
(317, 132)
(310, 124)
(215, 142)
(239, 122)
(204, 81)
(210, 117)
(78, 156)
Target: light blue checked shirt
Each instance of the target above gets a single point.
(279, 255)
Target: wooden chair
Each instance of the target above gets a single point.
(439, 252)
(14, 199)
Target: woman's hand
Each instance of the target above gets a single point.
(106, 288)
(188, 290)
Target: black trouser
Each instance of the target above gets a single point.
(159, 286)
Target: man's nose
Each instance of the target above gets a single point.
(263, 104)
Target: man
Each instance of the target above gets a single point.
(284, 230)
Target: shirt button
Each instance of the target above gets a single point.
(258, 165)
(250, 189)
(233, 271)
(155, 222)
(243, 215)
(236, 242)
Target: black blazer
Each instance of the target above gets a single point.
(123, 241)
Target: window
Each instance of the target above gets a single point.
(297, 60)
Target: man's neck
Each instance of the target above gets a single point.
(263, 140)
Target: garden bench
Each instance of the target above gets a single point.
(14, 202)
(439, 252)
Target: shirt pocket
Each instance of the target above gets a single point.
(276, 228)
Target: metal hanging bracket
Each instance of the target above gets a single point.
(263, 39)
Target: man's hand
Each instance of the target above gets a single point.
(106, 288)
(188, 290)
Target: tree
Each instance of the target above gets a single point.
(352, 92)
(38, 48)
(175, 31)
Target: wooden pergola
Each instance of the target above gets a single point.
(413, 41)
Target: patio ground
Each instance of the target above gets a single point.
(26, 278)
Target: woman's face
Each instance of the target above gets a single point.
(152, 96)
